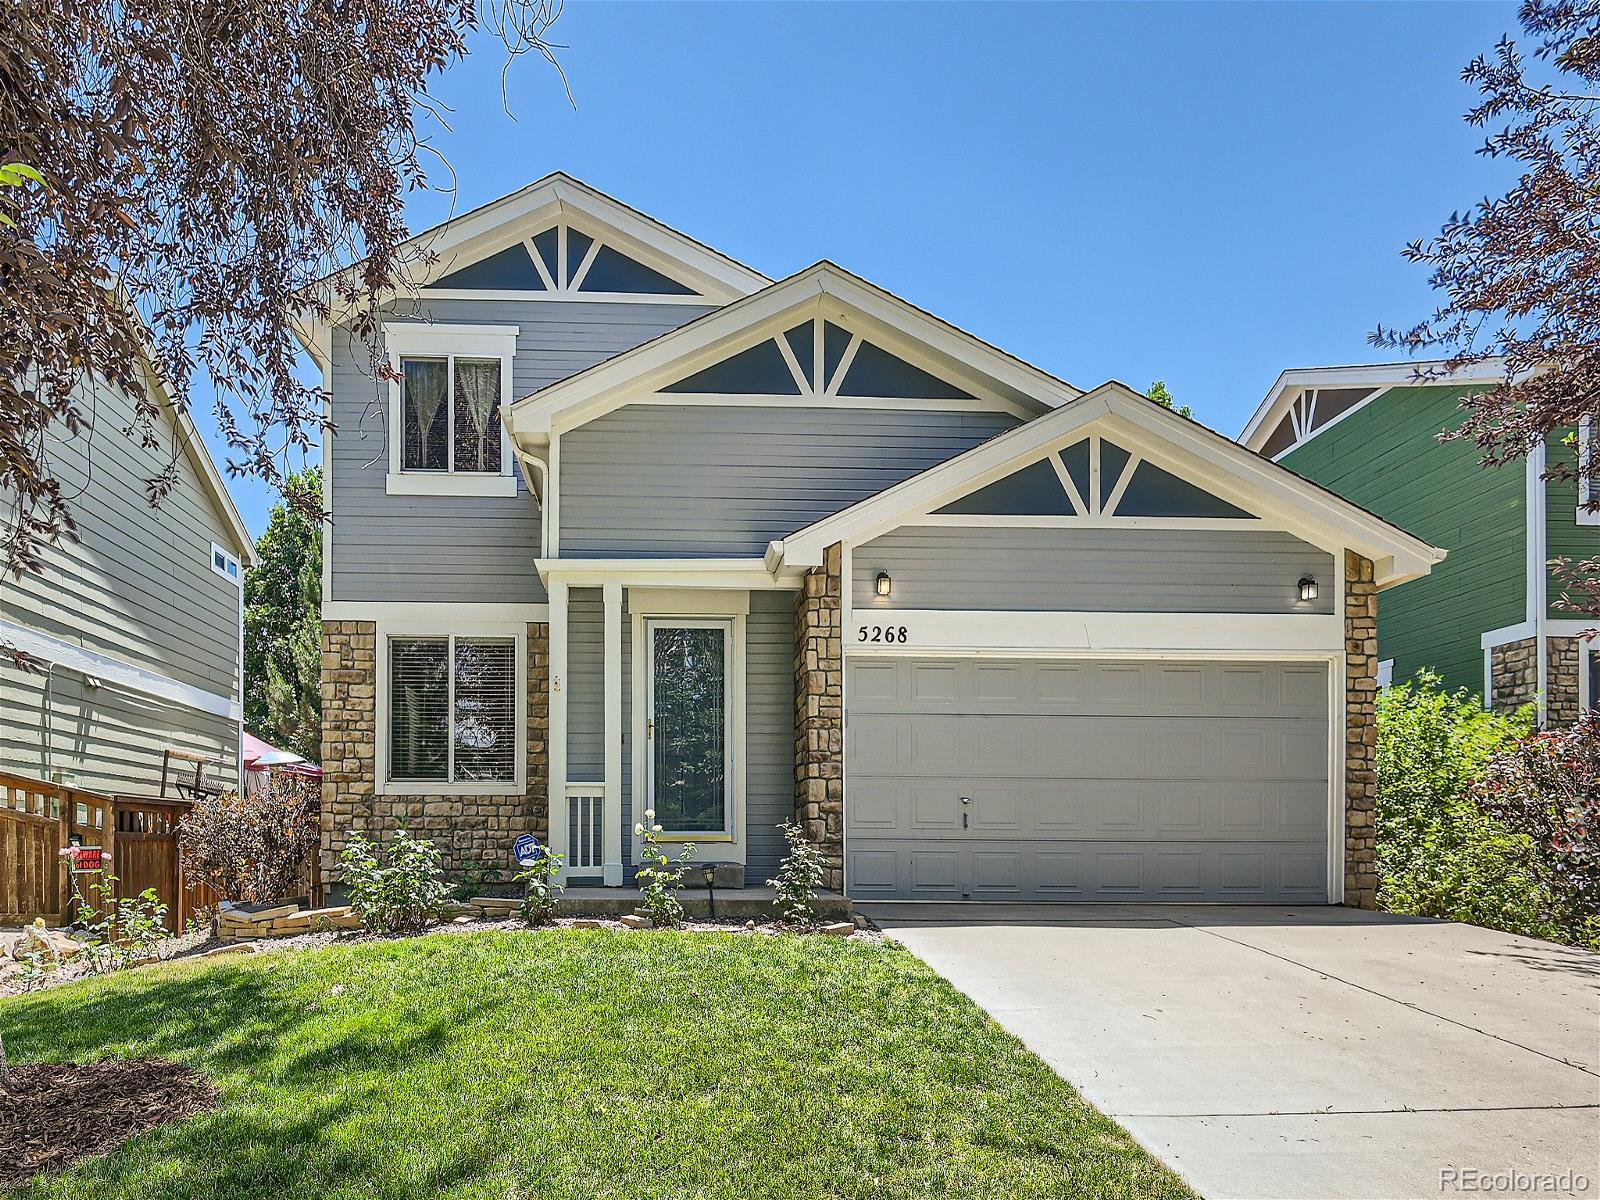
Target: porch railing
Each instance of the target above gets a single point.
(586, 810)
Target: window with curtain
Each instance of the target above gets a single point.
(452, 710)
(451, 411)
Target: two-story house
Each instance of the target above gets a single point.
(1489, 618)
(634, 527)
(136, 623)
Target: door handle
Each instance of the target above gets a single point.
(965, 800)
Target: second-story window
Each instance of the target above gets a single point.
(451, 408)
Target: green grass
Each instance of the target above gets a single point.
(585, 1064)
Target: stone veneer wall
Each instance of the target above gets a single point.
(467, 829)
(1513, 673)
(1361, 733)
(819, 715)
(1561, 681)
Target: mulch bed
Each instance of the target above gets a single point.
(54, 1114)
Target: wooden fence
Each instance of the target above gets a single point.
(137, 836)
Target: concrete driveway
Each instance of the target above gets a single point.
(1298, 1052)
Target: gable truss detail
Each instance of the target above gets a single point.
(565, 262)
(1091, 480)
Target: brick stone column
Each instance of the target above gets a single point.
(1361, 733)
(1514, 674)
(819, 715)
(349, 696)
(1561, 681)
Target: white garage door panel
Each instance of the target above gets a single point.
(1087, 780)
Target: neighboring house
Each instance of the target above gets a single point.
(135, 623)
(638, 528)
(1488, 618)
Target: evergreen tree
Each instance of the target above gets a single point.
(283, 623)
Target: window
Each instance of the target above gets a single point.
(451, 382)
(452, 414)
(453, 711)
(225, 564)
(1586, 452)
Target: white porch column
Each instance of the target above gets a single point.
(559, 840)
(611, 594)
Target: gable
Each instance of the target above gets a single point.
(820, 359)
(1062, 485)
(563, 260)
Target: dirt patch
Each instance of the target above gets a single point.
(54, 1114)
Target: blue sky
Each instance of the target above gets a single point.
(1203, 194)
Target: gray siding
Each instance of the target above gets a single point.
(473, 549)
(1092, 570)
(769, 730)
(136, 585)
(664, 481)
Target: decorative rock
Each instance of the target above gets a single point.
(838, 929)
(232, 948)
(462, 920)
(635, 921)
(585, 923)
(750, 924)
(264, 915)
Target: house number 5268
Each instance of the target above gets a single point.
(882, 633)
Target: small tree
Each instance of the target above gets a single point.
(660, 877)
(253, 847)
(799, 878)
(1547, 788)
(541, 891)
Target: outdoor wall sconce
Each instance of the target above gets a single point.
(884, 583)
(1308, 588)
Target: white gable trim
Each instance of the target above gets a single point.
(560, 199)
(823, 289)
(1155, 433)
(1280, 398)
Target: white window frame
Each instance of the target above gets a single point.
(234, 576)
(1585, 448)
(417, 339)
(404, 630)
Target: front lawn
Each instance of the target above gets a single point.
(585, 1064)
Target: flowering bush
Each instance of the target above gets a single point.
(660, 877)
(799, 878)
(119, 931)
(395, 889)
(253, 848)
(540, 891)
(1547, 788)
(1439, 854)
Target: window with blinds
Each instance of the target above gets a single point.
(452, 710)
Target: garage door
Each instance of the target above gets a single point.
(1092, 781)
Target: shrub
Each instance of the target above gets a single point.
(120, 931)
(1439, 853)
(1547, 788)
(799, 878)
(395, 889)
(660, 878)
(253, 848)
(540, 891)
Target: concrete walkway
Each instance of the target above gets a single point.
(1298, 1052)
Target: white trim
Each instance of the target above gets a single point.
(323, 356)
(425, 339)
(1385, 673)
(1370, 398)
(674, 604)
(611, 598)
(450, 483)
(440, 613)
(826, 400)
(556, 737)
(118, 671)
(741, 574)
(1305, 509)
(1289, 384)
(823, 290)
(1032, 634)
(1538, 571)
(1006, 521)
(1506, 633)
(411, 627)
(236, 576)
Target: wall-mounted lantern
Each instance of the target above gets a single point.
(1308, 589)
(884, 583)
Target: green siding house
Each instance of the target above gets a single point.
(1487, 618)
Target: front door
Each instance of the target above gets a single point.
(686, 725)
